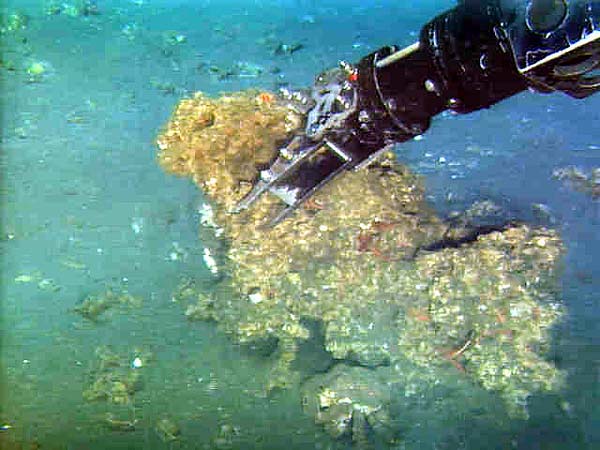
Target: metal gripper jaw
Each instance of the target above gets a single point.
(301, 168)
(314, 156)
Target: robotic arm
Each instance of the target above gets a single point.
(468, 58)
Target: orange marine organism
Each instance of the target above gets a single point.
(265, 98)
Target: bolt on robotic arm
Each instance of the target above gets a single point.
(468, 58)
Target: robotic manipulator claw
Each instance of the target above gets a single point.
(355, 113)
(317, 154)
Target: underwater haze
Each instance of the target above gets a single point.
(99, 244)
